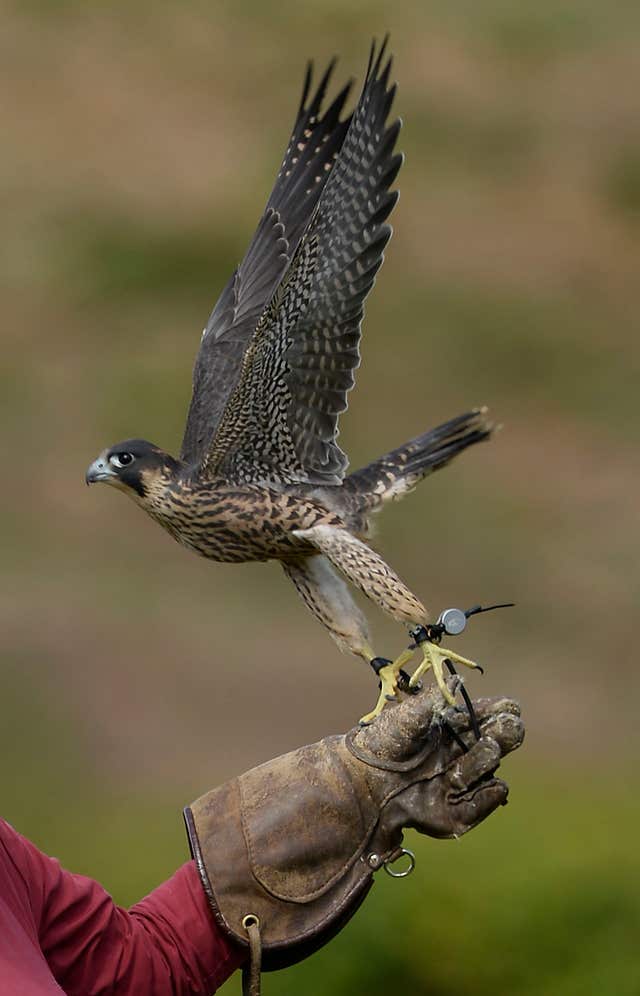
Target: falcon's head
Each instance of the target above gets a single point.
(134, 465)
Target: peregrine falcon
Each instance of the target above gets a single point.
(260, 475)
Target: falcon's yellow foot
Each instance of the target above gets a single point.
(433, 657)
(388, 675)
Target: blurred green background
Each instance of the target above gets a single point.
(140, 141)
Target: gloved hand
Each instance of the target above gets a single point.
(287, 851)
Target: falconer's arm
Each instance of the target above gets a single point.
(67, 928)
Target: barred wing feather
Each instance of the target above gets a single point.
(313, 147)
(280, 423)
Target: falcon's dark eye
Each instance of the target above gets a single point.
(121, 459)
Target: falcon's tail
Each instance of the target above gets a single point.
(398, 472)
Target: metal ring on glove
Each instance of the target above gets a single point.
(407, 871)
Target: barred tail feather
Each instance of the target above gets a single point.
(397, 473)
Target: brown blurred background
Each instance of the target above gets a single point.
(140, 142)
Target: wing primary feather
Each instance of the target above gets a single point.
(373, 72)
(306, 86)
(290, 207)
(280, 425)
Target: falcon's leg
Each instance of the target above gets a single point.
(388, 675)
(368, 571)
(329, 599)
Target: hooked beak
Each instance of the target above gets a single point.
(99, 471)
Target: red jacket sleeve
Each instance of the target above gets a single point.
(168, 944)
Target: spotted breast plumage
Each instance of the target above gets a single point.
(260, 474)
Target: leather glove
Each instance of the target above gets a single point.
(287, 851)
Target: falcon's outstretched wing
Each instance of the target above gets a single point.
(312, 150)
(280, 423)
